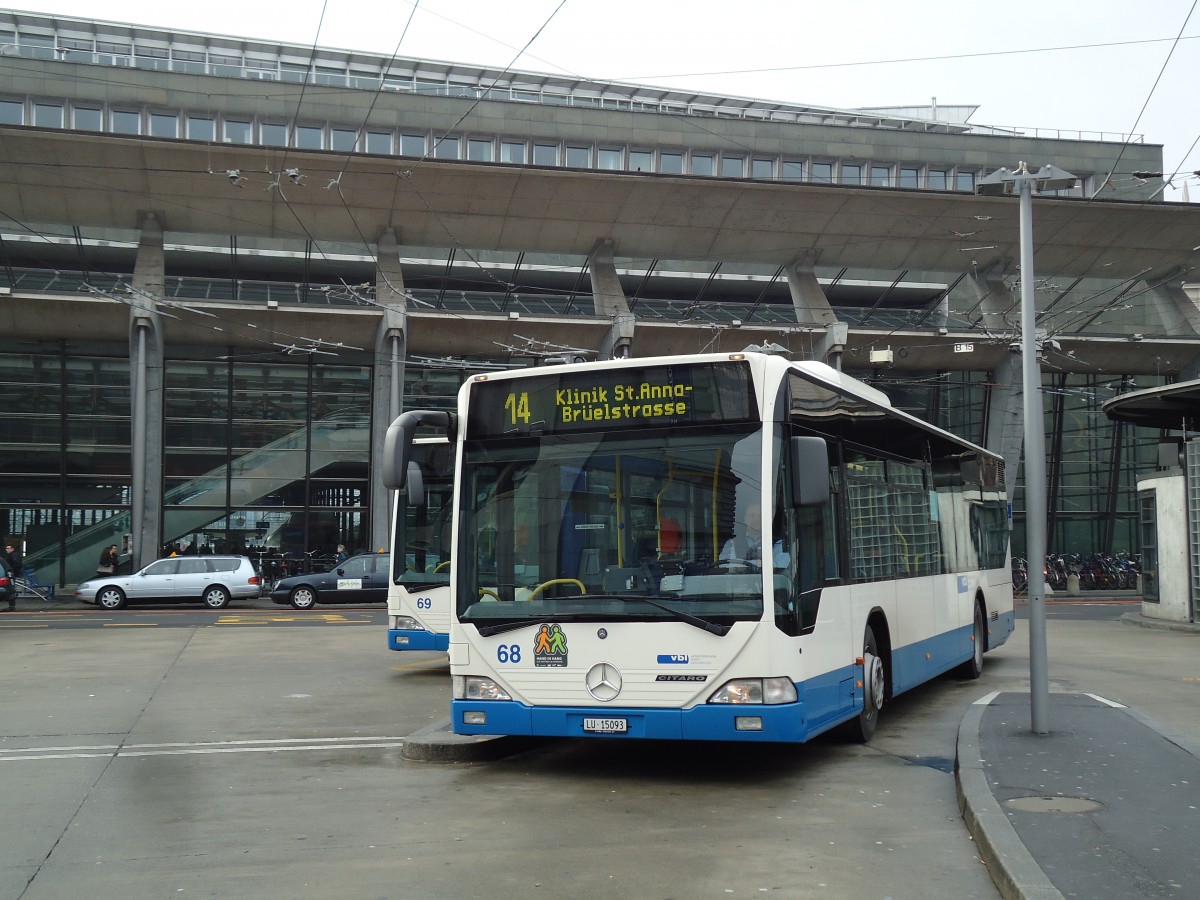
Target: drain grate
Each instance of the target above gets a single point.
(1053, 804)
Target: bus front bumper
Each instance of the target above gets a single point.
(401, 639)
(710, 722)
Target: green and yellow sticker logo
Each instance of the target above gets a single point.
(550, 646)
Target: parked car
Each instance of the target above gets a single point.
(212, 580)
(360, 579)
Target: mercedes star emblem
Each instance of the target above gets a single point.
(603, 682)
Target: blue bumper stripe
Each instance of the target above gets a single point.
(417, 640)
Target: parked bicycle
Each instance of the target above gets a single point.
(1020, 575)
(1096, 572)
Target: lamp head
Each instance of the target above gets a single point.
(998, 183)
(1052, 178)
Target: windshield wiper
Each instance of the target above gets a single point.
(697, 621)
(501, 627)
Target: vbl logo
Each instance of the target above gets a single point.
(672, 659)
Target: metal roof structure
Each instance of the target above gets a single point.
(110, 181)
(1171, 407)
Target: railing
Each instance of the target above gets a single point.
(185, 289)
(529, 93)
(1058, 134)
(718, 313)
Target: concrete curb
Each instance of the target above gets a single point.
(1013, 869)
(436, 743)
(1133, 618)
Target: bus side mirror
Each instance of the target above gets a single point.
(810, 470)
(397, 443)
(415, 485)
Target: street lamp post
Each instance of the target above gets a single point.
(1024, 183)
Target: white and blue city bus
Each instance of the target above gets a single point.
(419, 590)
(607, 575)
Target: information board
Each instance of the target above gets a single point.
(612, 398)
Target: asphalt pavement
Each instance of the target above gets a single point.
(1104, 805)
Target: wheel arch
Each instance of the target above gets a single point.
(981, 601)
(878, 623)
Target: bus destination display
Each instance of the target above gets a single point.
(615, 398)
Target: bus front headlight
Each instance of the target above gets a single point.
(405, 623)
(756, 690)
(476, 687)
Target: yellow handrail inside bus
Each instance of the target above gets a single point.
(545, 584)
(715, 480)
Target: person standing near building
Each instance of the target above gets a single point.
(12, 561)
(12, 556)
(342, 556)
(107, 564)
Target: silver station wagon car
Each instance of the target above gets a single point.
(211, 580)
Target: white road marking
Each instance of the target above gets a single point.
(105, 751)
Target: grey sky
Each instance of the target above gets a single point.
(1011, 59)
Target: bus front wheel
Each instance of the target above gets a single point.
(874, 688)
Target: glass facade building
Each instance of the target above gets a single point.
(277, 355)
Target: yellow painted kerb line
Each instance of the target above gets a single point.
(427, 664)
(332, 618)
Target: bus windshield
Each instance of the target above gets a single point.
(611, 525)
(421, 530)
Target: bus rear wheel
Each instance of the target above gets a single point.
(874, 687)
(973, 667)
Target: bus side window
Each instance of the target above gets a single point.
(811, 523)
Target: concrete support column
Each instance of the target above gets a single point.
(808, 298)
(387, 383)
(997, 307)
(146, 376)
(1178, 312)
(1006, 414)
(830, 346)
(813, 309)
(1005, 426)
(939, 317)
(610, 300)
